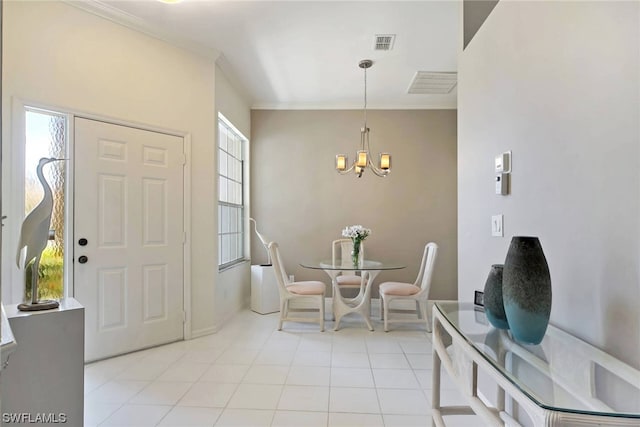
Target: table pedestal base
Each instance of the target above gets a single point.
(360, 304)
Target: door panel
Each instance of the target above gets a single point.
(112, 288)
(129, 207)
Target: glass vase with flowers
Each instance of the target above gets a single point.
(357, 234)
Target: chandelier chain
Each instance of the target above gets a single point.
(365, 98)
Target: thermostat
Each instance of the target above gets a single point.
(502, 183)
(503, 162)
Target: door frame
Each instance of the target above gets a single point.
(14, 173)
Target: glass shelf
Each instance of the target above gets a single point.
(562, 373)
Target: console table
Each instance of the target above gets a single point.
(563, 381)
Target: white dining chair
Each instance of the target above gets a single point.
(417, 292)
(341, 253)
(309, 289)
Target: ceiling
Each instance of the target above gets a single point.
(305, 54)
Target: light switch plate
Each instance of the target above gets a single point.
(496, 225)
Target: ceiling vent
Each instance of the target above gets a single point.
(433, 83)
(384, 41)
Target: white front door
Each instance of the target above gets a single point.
(129, 236)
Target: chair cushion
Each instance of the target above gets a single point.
(309, 287)
(348, 280)
(398, 288)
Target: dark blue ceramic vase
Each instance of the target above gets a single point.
(526, 289)
(493, 305)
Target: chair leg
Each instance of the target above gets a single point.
(283, 304)
(381, 308)
(426, 315)
(333, 307)
(385, 303)
(321, 313)
(418, 310)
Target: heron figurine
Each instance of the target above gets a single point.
(34, 235)
(263, 240)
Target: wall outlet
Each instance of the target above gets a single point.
(496, 226)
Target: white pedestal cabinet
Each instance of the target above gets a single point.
(44, 379)
(265, 297)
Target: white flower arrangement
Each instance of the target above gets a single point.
(356, 232)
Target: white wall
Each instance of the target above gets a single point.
(57, 55)
(558, 83)
(233, 286)
(233, 103)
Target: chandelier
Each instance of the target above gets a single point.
(363, 158)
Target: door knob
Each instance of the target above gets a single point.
(83, 259)
(82, 242)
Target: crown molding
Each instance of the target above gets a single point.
(259, 106)
(120, 17)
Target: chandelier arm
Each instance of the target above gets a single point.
(366, 137)
(349, 169)
(378, 172)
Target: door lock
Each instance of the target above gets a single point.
(83, 242)
(83, 259)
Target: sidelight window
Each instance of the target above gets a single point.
(46, 136)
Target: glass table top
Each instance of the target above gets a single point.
(362, 266)
(562, 373)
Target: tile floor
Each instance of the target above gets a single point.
(250, 374)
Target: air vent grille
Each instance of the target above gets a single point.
(433, 83)
(384, 41)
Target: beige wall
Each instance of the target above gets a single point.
(299, 200)
(233, 285)
(58, 56)
(559, 84)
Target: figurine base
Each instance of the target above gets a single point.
(40, 305)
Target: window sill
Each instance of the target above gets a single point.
(232, 266)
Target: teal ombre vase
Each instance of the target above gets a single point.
(493, 304)
(526, 290)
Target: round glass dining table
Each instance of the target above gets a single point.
(361, 303)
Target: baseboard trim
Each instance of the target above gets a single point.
(203, 332)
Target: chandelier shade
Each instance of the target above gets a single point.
(363, 158)
(385, 161)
